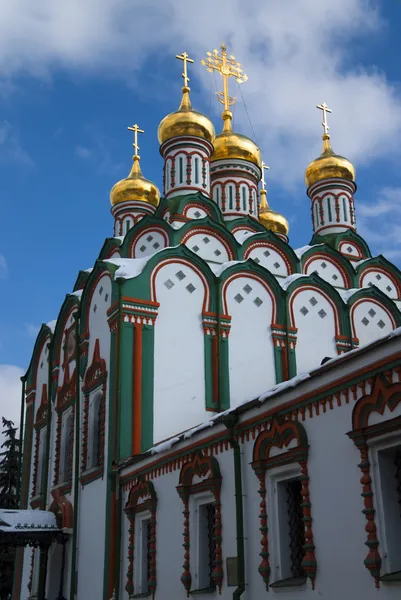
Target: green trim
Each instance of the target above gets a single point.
(209, 369)
(345, 210)
(147, 412)
(393, 577)
(230, 196)
(181, 169)
(243, 190)
(196, 169)
(329, 210)
(126, 374)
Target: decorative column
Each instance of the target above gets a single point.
(332, 206)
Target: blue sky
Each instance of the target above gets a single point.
(72, 78)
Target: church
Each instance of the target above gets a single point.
(214, 413)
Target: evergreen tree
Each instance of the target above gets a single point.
(9, 473)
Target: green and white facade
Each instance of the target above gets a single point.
(146, 399)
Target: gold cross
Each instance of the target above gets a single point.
(136, 130)
(267, 168)
(325, 110)
(228, 67)
(184, 57)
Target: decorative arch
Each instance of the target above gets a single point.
(271, 240)
(377, 297)
(382, 265)
(327, 253)
(95, 377)
(206, 470)
(100, 270)
(281, 434)
(63, 510)
(205, 226)
(142, 497)
(382, 395)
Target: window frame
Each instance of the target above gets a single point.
(141, 506)
(40, 430)
(95, 383)
(198, 501)
(290, 438)
(206, 470)
(66, 446)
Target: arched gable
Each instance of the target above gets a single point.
(44, 336)
(383, 396)
(111, 247)
(99, 271)
(373, 312)
(64, 321)
(318, 321)
(209, 239)
(271, 252)
(245, 223)
(382, 273)
(149, 235)
(179, 205)
(348, 243)
(329, 264)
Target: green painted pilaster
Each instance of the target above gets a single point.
(210, 370)
(278, 363)
(148, 345)
(224, 378)
(126, 371)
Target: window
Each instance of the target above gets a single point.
(206, 545)
(40, 459)
(292, 531)
(230, 197)
(329, 209)
(141, 512)
(181, 169)
(345, 209)
(65, 464)
(199, 489)
(196, 170)
(280, 461)
(243, 189)
(94, 430)
(387, 466)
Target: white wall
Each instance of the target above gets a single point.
(381, 280)
(208, 246)
(179, 376)
(268, 257)
(370, 321)
(327, 270)
(251, 352)
(92, 501)
(315, 321)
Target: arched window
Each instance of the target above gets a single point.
(65, 465)
(94, 430)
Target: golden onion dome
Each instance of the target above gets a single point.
(185, 121)
(270, 219)
(135, 187)
(329, 165)
(229, 144)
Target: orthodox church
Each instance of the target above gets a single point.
(213, 412)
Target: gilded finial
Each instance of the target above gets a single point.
(228, 67)
(265, 167)
(185, 58)
(136, 130)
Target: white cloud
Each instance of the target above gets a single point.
(296, 54)
(3, 266)
(11, 148)
(380, 223)
(10, 394)
(83, 152)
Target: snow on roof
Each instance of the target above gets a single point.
(356, 263)
(241, 236)
(52, 325)
(17, 520)
(230, 263)
(301, 251)
(88, 270)
(78, 294)
(346, 294)
(119, 238)
(128, 268)
(285, 283)
(290, 383)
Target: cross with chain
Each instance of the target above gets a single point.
(136, 130)
(325, 110)
(228, 67)
(185, 58)
(267, 168)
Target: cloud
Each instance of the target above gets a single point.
(3, 267)
(11, 148)
(10, 394)
(380, 222)
(83, 152)
(296, 54)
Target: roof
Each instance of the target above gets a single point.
(29, 528)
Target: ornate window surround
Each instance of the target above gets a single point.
(40, 424)
(207, 470)
(383, 395)
(95, 381)
(280, 435)
(65, 400)
(142, 498)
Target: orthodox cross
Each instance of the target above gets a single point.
(185, 58)
(325, 110)
(267, 168)
(228, 67)
(136, 130)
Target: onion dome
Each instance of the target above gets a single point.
(229, 144)
(185, 122)
(135, 188)
(270, 219)
(329, 165)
